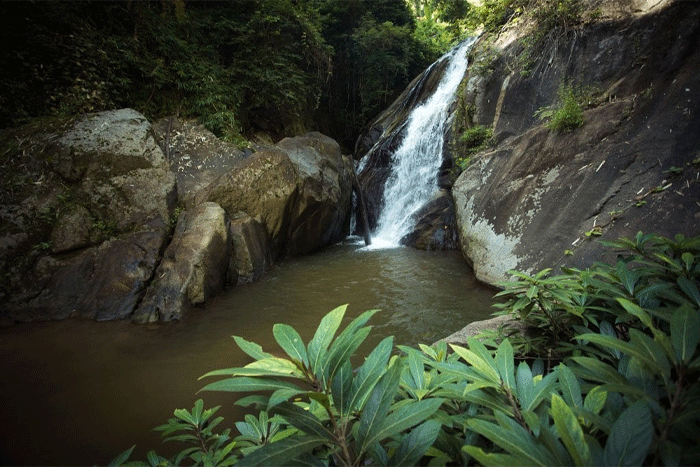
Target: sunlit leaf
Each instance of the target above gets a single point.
(323, 336)
(570, 431)
(251, 348)
(290, 341)
(504, 362)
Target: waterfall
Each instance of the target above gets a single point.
(416, 162)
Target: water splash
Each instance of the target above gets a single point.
(416, 163)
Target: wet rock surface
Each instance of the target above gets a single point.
(193, 268)
(89, 208)
(542, 197)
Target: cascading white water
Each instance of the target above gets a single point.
(416, 163)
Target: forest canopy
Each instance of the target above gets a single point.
(239, 66)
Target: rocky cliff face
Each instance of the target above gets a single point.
(88, 208)
(540, 197)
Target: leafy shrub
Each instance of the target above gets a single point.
(625, 393)
(566, 114)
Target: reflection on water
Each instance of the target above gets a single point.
(77, 392)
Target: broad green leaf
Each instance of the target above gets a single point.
(631, 437)
(377, 407)
(302, 419)
(518, 443)
(338, 355)
(497, 404)
(688, 259)
(491, 458)
(636, 310)
(341, 386)
(246, 384)
(486, 368)
(429, 351)
(251, 348)
(323, 337)
(593, 369)
(416, 369)
(689, 288)
(407, 416)
(525, 386)
(184, 414)
(540, 391)
(414, 446)
(685, 325)
(369, 373)
(570, 431)
(504, 362)
(246, 372)
(290, 341)
(654, 352)
(624, 347)
(281, 452)
(595, 399)
(282, 395)
(628, 278)
(570, 387)
(121, 458)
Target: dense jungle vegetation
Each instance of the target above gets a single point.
(239, 66)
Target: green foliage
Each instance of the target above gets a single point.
(567, 113)
(624, 393)
(476, 138)
(473, 140)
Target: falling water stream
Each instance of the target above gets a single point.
(416, 163)
(80, 392)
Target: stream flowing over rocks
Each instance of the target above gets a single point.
(539, 198)
(104, 224)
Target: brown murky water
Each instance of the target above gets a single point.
(79, 393)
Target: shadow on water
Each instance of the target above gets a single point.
(77, 392)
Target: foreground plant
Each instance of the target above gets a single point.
(625, 391)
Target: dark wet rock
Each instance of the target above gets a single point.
(251, 256)
(193, 268)
(101, 283)
(435, 225)
(93, 222)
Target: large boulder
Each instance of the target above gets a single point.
(102, 283)
(195, 155)
(435, 225)
(89, 220)
(193, 268)
(300, 190)
(541, 197)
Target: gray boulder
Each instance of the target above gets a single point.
(93, 225)
(251, 256)
(193, 268)
(195, 155)
(435, 225)
(299, 190)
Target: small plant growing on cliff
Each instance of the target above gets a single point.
(566, 114)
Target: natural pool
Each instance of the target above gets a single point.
(80, 392)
